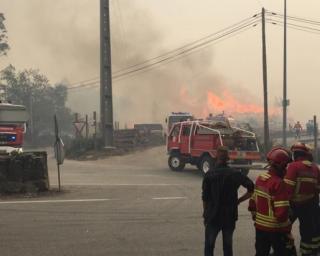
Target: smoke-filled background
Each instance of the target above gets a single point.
(61, 38)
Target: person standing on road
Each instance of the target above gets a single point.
(220, 202)
(269, 207)
(298, 129)
(303, 182)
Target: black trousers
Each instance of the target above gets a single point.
(316, 238)
(267, 240)
(211, 233)
(308, 226)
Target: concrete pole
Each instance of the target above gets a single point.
(106, 106)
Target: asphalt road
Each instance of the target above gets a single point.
(129, 205)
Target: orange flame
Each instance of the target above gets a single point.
(224, 102)
(230, 104)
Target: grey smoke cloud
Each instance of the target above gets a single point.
(62, 39)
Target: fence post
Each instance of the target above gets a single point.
(315, 133)
(95, 130)
(87, 127)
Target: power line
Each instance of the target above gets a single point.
(313, 22)
(275, 15)
(84, 81)
(256, 16)
(183, 56)
(92, 85)
(83, 85)
(179, 52)
(279, 19)
(122, 33)
(295, 28)
(184, 51)
(198, 45)
(96, 85)
(295, 25)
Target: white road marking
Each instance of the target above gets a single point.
(80, 200)
(121, 184)
(56, 201)
(169, 198)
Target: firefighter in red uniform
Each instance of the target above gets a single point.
(303, 179)
(269, 206)
(298, 128)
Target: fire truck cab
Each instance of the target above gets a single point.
(13, 120)
(176, 117)
(196, 143)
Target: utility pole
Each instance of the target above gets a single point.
(106, 108)
(285, 101)
(265, 85)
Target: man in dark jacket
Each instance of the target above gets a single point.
(220, 202)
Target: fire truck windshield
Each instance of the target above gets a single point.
(178, 118)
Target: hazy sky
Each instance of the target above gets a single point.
(61, 38)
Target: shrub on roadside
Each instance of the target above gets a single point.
(79, 146)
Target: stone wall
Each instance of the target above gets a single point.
(24, 172)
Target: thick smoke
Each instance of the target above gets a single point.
(180, 85)
(62, 39)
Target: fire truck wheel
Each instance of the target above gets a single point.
(206, 164)
(176, 163)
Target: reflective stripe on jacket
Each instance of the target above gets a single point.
(270, 204)
(303, 181)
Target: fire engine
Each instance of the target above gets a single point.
(196, 143)
(22, 170)
(13, 120)
(176, 117)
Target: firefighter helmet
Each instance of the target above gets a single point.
(302, 150)
(279, 157)
(300, 147)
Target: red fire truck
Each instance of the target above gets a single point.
(176, 117)
(196, 142)
(13, 120)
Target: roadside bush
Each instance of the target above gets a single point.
(79, 146)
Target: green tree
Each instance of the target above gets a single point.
(32, 89)
(4, 46)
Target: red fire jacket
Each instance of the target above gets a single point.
(270, 204)
(303, 181)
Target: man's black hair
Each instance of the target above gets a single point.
(223, 154)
